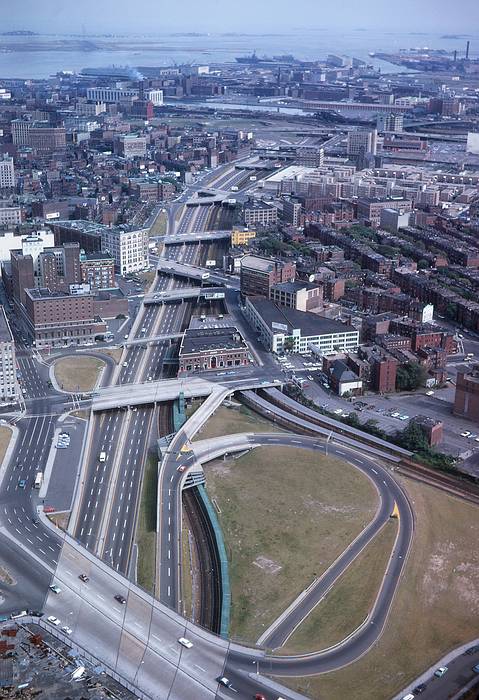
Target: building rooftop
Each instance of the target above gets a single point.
(209, 339)
(257, 204)
(93, 257)
(292, 287)
(254, 262)
(309, 323)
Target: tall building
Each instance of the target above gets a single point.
(362, 142)
(98, 270)
(114, 95)
(128, 248)
(8, 367)
(257, 212)
(258, 275)
(466, 400)
(389, 122)
(10, 214)
(7, 173)
(132, 146)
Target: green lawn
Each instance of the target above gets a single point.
(146, 528)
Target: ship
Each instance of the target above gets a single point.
(118, 72)
(255, 60)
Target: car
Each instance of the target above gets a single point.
(55, 588)
(224, 681)
(472, 436)
(338, 411)
(22, 483)
(465, 433)
(439, 672)
(125, 364)
(419, 689)
(53, 620)
(472, 650)
(429, 393)
(476, 668)
(409, 696)
(185, 642)
(84, 578)
(395, 414)
(181, 468)
(259, 696)
(405, 417)
(125, 337)
(67, 630)
(120, 599)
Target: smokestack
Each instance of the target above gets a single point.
(467, 50)
(455, 56)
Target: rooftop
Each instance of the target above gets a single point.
(254, 262)
(209, 339)
(5, 332)
(309, 323)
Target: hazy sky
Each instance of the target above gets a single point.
(238, 15)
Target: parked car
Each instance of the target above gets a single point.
(439, 672)
(120, 599)
(54, 620)
(185, 642)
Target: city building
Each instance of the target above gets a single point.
(389, 122)
(212, 348)
(343, 380)
(97, 270)
(132, 146)
(86, 233)
(292, 212)
(55, 319)
(128, 248)
(9, 388)
(383, 365)
(361, 142)
(392, 220)
(370, 208)
(258, 275)
(431, 428)
(466, 399)
(297, 295)
(280, 328)
(258, 213)
(114, 95)
(7, 173)
(241, 237)
(10, 214)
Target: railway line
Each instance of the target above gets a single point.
(210, 592)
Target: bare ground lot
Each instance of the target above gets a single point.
(5, 436)
(435, 610)
(226, 421)
(286, 515)
(78, 373)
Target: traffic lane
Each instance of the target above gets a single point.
(458, 675)
(30, 532)
(29, 590)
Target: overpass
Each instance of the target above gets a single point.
(193, 272)
(195, 237)
(153, 339)
(186, 293)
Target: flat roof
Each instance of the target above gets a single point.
(206, 339)
(309, 323)
(255, 262)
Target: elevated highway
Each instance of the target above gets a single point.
(195, 237)
(183, 294)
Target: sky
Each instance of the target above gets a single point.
(252, 16)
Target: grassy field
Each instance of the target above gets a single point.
(226, 421)
(435, 610)
(78, 373)
(146, 278)
(5, 435)
(158, 227)
(286, 515)
(146, 527)
(114, 354)
(348, 603)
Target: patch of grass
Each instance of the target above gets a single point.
(115, 354)
(186, 579)
(435, 609)
(348, 603)
(226, 421)
(158, 227)
(5, 437)
(79, 373)
(146, 278)
(60, 519)
(146, 526)
(297, 510)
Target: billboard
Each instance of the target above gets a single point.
(279, 327)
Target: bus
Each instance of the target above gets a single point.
(38, 480)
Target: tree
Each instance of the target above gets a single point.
(412, 438)
(410, 377)
(288, 343)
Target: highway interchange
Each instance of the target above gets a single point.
(138, 640)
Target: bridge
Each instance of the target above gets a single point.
(152, 339)
(195, 237)
(207, 293)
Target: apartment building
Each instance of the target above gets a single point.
(466, 399)
(7, 173)
(128, 248)
(260, 213)
(10, 214)
(97, 270)
(9, 388)
(114, 95)
(297, 295)
(258, 275)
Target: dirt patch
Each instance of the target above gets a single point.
(6, 577)
(271, 567)
(78, 373)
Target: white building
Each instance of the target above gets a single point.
(114, 95)
(361, 142)
(33, 244)
(10, 214)
(9, 388)
(280, 328)
(129, 249)
(7, 173)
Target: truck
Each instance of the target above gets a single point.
(102, 457)
(38, 480)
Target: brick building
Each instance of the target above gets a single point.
(258, 275)
(466, 400)
(97, 270)
(212, 348)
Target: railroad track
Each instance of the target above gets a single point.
(210, 597)
(453, 485)
(165, 418)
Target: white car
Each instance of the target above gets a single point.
(185, 642)
(429, 393)
(54, 620)
(466, 433)
(67, 630)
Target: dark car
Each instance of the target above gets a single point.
(419, 689)
(84, 578)
(120, 599)
(22, 483)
